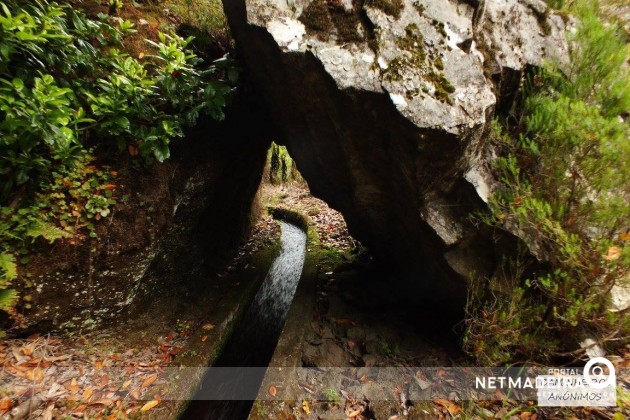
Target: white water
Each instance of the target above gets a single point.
(276, 293)
(227, 394)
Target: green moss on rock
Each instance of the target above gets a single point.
(316, 17)
(325, 18)
(391, 7)
(289, 216)
(439, 26)
(416, 58)
(419, 7)
(442, 86)
(414, 55)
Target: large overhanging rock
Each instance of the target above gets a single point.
(384, 105)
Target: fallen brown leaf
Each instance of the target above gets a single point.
(273, 391)
(149, 405)
(452, 408)
(36, 375)
(147, 382)
(5, 404)
(354, 413)
(79, 410)
(48, 413)
(105, 402)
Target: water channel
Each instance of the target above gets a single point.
(228, 389)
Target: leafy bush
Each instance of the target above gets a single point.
(565, 176)
(63, 75)
(65, 80)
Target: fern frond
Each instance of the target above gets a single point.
(8, 270)
(47, 231)
(8, 299)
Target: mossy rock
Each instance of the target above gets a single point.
(289, 216)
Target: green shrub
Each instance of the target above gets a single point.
(66, 79)
(63, 76)
(565, 177)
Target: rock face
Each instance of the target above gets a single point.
(384, 105)
(178, 219)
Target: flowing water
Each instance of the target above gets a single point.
(228, 393)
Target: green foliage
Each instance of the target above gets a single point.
(66, 80)
(64, 76)
(205, 14)
(8, 273)
(116, 4)
(332, 395)
(566, 192)
(70, 202)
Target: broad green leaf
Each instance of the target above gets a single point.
(162, 152)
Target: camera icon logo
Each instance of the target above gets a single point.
(593, 370)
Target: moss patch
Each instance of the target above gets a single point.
(419, 7)
(391, 7)
(327, 17)
(443, 88)
(414, 56)
(439, 26)
(316, 17)
(289, 216)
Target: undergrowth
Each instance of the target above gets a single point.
(563, 163)
(67, 87)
